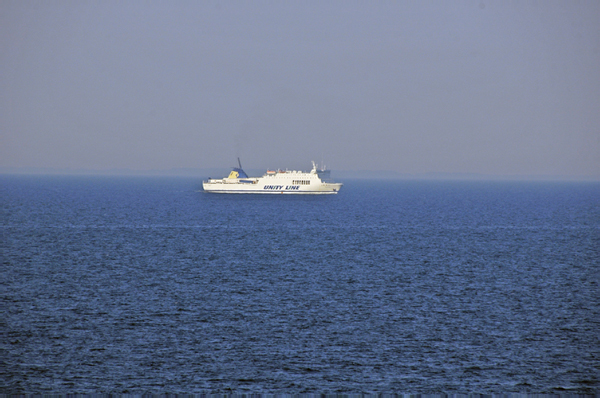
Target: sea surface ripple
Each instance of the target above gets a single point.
(148, 285)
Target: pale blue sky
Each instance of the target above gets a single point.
(491, 87)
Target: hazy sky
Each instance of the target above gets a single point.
(493, 87)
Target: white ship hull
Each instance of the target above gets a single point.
(274, 182)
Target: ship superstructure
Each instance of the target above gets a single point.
(316, 181)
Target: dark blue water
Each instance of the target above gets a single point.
(148, 285)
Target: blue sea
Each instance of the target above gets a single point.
(149, 285)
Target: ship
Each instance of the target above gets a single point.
(314, 182)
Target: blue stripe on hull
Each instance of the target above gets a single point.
(278, 192)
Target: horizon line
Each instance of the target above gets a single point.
(351, 174)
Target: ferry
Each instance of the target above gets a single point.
(315, 182)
